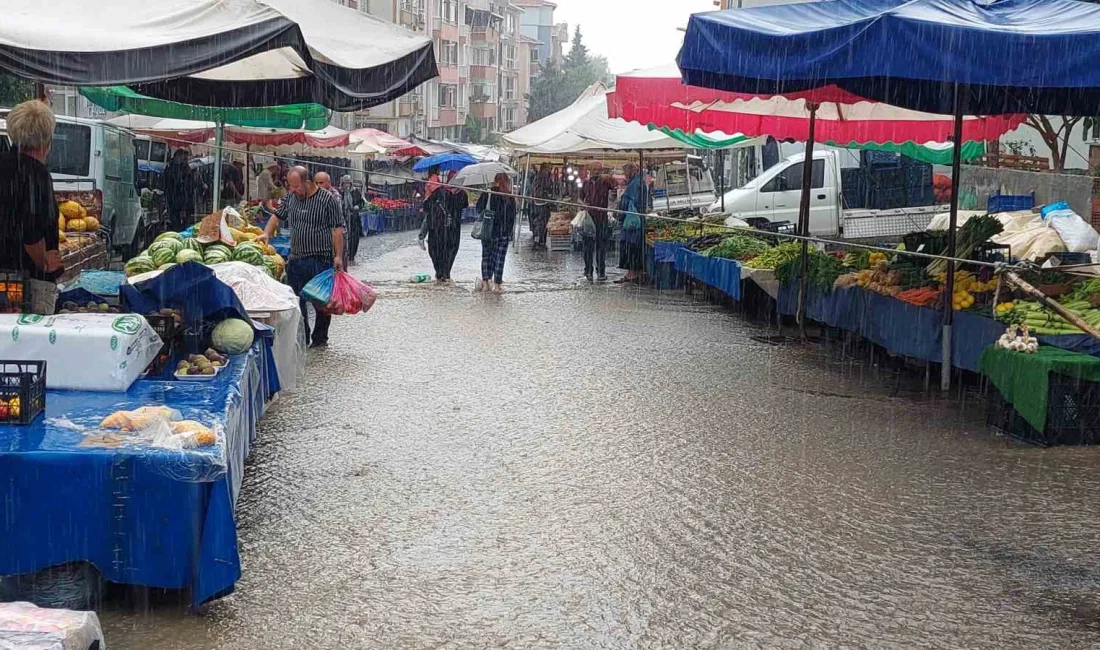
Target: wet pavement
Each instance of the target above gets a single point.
(575, 466)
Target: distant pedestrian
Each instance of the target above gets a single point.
(352, 200)
(316, 221)
(503, 206)
(633, 203)
(443, 227)
(265, 182)
(543, 190)
(180, 185)
(596, 195)
(324, 181)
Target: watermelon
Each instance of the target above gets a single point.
(165, 267)
(162, 255)
(168, 235)
(249, 254)
(221, 248)
(173, 245)
(232, 336)
(272, 266)
(188, 255)
(216, 257)
(140, 264)
(192, 244)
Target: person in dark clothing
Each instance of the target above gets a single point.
(232, 184)
(543, 190)
(29, 240)
(503, 207)
(443, 227)
(596, 194)
(353, 202)
(179, 188)
(634, 202)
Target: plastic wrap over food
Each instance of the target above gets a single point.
(99, 352)
(24, 626)
(288, 348)
(256, 290)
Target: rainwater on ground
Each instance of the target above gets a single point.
(578, 466)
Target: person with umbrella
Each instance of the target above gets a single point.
(443, 226)
(493, 251)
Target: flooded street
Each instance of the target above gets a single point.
(584, 466)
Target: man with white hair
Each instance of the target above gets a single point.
(29, 238)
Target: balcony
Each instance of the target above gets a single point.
(483, 108)
(446, 31)
(448, 73)
(483, 72)
(448, 117)
(484, 34)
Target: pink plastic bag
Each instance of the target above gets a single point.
(350, 296)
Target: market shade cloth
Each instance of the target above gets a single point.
(445, 161)
(197, 132)
(293, 116)
(585, 126)
(658, 97)
(1008, 56)
(374, 141)
(228, 53)
(1023, 378)
(481, 174)
(936, 153)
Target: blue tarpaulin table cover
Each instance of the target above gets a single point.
(373, 222)
(717, 272)
(912, 331)
(1008, 56)
(665, 251)
(141, 515)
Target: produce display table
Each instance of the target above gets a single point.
(373, 222)
(1023, 379)
(717, 272)
(142, 515)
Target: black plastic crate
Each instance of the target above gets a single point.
(170, 332)
(22, 391)
(15, 295)
(1073, 414)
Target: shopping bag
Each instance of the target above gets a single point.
(319, 289)
(584, 224)
(483, 227)
(350, 296)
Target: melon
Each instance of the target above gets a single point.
(192, 244)
(140, 264)
(216, 257)
(165, 267)
(232, 336)
(188, 255)
(174, 245)
(169, 235)
(91, 224)
(249, 255)
(221, 248)
(76, 225)
(161, 255)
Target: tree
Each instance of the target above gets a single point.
(577, 58)
(558, 86)
(548, 93)
(14, 89)
(473, 129)
(1055, 138)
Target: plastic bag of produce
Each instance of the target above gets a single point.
(350, 296)
(23, 625)
(1076, 233)
(319, 289)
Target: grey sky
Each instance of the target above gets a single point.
(632, 34)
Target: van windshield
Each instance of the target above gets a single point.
(676, 181)
(141, 149)
(70, 154)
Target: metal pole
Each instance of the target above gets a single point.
(247, 172)
(804, 220)
(949, 285)
(687, 179)
(526, 207)
(219, 141)
(722, 178)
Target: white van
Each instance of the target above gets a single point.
(775, 195)
(91, 155)
(680, 188)
(152, 159)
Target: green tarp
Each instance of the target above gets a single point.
(1023, 378)
(936, 154)
(121, 99)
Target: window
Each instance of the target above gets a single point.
(534, 55)
(791, 178)
(447, 11)
(448, 53)
(112, 156)
(510, 88)
(484, 56)
(71, 151)
(510, 25)
(482, 92)
(510, 57)
(159, 152)
(141, 149)
(448, 94)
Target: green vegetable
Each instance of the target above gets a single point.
(774, 257)
(737, 247)
(976, 231)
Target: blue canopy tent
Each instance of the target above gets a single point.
(445, 162)
(941, 56)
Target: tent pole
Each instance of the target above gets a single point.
(247, 172)
(722, 178)
(219, 142)
(687, 179)
(949, 285)
(804, 220)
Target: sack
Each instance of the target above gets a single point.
(1076, 233)
(584, 224)
(338, 293)
(483, 227)
(632, 221)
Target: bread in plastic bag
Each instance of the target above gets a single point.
(140, 418)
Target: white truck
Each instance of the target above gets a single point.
(682, 188)
(773, 197)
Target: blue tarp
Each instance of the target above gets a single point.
(141, 515)
(912, 331)
(907, 52)
(373, 222)
(665, 251)
(722, 274)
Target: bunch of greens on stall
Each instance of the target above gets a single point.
(738, 247)
(773, 258)
(976, 231)
(822, 270)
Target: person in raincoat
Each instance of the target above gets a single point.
(633, 203)
(179, 190)
(543, 190)
(352, 200)
(503, 206)
(443, 227)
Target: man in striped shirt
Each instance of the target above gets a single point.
(316, 220)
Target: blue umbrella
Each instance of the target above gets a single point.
(939, 56)
(445, 162)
